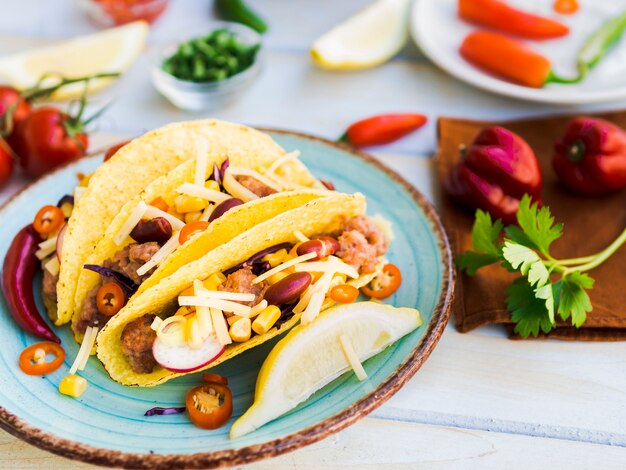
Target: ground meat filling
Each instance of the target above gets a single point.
(137, 339)
(49, 286)
(129, 259)
(254, 185)
(361, 243)
(89, 315)
(241, 281)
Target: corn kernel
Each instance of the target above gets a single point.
(338, 279)
(232, 319)
(184, 204)
(187, 292)
(212, 185)
(240, 330)
(274, 259)
(214, 281)
(293, 253)
(192, 216)
(266, 320)
(84, 181)
(279, 276)
(73, 386)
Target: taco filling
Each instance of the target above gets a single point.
(154, 231)
(255, 296)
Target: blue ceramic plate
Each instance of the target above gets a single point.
(106, 424)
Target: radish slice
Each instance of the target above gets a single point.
(182, 358)
(60, 237)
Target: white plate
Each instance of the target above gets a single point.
(438, 31)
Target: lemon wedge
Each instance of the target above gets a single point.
(313, 355)
(111, 50)
(367, 39)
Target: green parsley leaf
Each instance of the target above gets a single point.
(527, 311)
(470, 261)
(537, 226)
(527, 262)
(573, 298)
(485, 233)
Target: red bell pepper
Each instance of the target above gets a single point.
(498, 15)
(590, 158)
(494, 173)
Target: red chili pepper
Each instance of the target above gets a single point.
(18, 271)
(590, 158)
(494, 173)
(566, 7)
(498, 15)
(382, 129)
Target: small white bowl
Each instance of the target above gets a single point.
(199, 96)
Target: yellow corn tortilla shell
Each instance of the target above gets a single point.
(220, 231)
(133, 168)
(322, 215)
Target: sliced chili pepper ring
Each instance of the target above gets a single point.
(190, 229)
(33, 358)
(210, 406)
(110, 299)
(384, 284)
(344, 293)
(48, 220)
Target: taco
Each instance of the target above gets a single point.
(135, 166)
(244, 292)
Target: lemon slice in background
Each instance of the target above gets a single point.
(367, 39)
(313, 355)
(111, 50)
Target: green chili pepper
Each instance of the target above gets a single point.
(237, 10)
(210, 58)
(600, 42)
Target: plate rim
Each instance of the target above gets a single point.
(498, 86)
(247, 454)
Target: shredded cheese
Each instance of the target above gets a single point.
(203, 313)
(206, 214)
(52, 266)
(154, 212)
(85, 350)
(352, 358)
(283, 266)
(258, 308)
(156, 323)
(327, 267)
(202, 149)
(300, 236)
(132, 220)
(236, 189)
(160, 255)
(237, 171)
(282, 160)
(322, 285)
(223, 295)
(226, 305)
(220, 327)
(202, 192)
(46, 248)
(313, 309)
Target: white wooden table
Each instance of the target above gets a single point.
(481, 399)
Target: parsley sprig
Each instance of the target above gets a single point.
(546, 286)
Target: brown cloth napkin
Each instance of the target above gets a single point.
(590, 224)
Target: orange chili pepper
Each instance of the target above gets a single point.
(110, 299)
(190, 229)
(159, 203)
(498, 15)
(48, 220)
(344, 293)
(566, 7)
(507, 58)
(385, 284)
(33, 358)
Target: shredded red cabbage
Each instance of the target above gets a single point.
(224, 167)
(328, 184)
(286, 312)
(218, 172)
(171, 410)
(256, 259)
(124, 282)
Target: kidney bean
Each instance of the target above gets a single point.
(152, 230)
(224, 207)
(323, 246)
(288, 289)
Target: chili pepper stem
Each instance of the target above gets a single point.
(600, 257)
(554, 78)
(36, 92)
